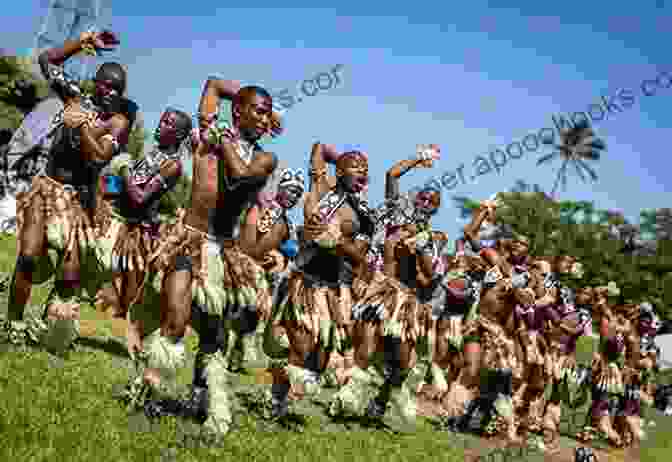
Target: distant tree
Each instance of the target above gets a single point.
(20, 91)
(578, 145)
(600, 241)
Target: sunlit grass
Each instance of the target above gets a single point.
(52, 409)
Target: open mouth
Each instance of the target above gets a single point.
(360, 183)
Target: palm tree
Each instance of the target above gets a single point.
(577, 146)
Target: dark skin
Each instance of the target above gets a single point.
(368, 338)
(251, 112)
(128, 283)
(347, 247)
(95, 145)
(301, 340)
(256, 244)
(487, 212)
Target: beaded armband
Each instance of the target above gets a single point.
(362, 237)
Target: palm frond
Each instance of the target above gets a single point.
(582, 125)
(564, 176)
(547, 157)
(577, 167)
(588, 168)
(562, 173)
(595, 142)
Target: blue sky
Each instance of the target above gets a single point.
(470, 80)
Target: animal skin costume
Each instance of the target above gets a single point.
(67, 190)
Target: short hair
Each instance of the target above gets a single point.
(184, 119)
(114, 68)
(350, 155)
(245, 93)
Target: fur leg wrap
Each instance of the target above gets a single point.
(405, 404)
(354, 397)
(167, 356)
(220, 409)
(56, 333)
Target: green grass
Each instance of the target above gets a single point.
(63, 409)
(55, 409)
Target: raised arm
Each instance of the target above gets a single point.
(395, 173)
(424, 158)
(214, 91)
(320, 156)
(56, 57)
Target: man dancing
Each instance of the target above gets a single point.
(316, 307)
(58, 211)
(201, 259)
(385, 317)
(268, 239)
(131, 230)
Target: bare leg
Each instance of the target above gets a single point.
(358, 393)
(165, 347)
(32, 246)
(291, 378)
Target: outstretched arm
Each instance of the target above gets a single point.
(425, 157)
(397, 171)
(59, 55)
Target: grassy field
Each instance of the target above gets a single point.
(62, 409)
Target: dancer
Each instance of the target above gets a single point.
(268, 238)
(131, 231)
(58, 211)
(386, 317)
(554, 313)
(201, 258)
(315, 308)
(606, 373)
(641, 353)
(499, 296)
(455, 305)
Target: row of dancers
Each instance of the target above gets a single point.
(354, 283)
